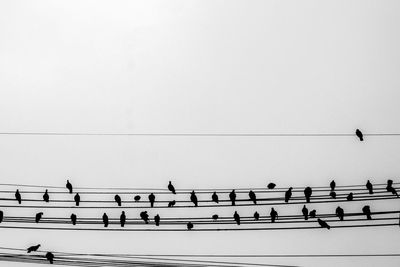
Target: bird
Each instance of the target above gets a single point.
(157, 220)
(69, 186)
(215, 217)
(50, 257)
(38, 216)
(308, 193)
(171, 188)
(332, 194)
(271, 186)
(152, 198)
(236, 217)
(171, 203)
(144, 216)
(313, 213)
(253, 197)
(359, 135)
(214, 197)
(332, 185)
(323, 224)
(18, 196)
(33, 248)
(304, 210)
(105, 220)
(367, 211)
(274, 215)
(340, 213)
(189, 226)
(369, 187)
(1, 216)
(77, 199)
(389, 188)
(117, 199)
(73, 219)
(288, 194)
(46, 196)
(193, 198)
(256, 216)
(122, 219)
(350, 196)
(137, 198)
(232, 197)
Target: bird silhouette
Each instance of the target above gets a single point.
(157, 220)
(271, 186)
(332, 185)
(313, 214)
(308, 193)
(171, 188)
(215, 217)
(122, 219)
(332, 194)
(193, 198)
(105, 220)
(323, 224)
(73, 219)
(367, 211)
(359, 135)
(304, 210)
(389, 188)
(369, 187)
(232, 197)
(171, 203)
(137, 198)
(144, 216)
(214, 197)
(46, 196)
(50, 257)
(33, 248)
(256, 216)
(18, 196)
(340, 213)
(38, 216)
(253, 197)
(273, 214)
(236, 217)
(77, 199)
(152, 198)
(117, 199)
(69, 186)
(189, 226)
(1, 216)
(288, 194)
(350, 196)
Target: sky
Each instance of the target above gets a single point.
(200, 66)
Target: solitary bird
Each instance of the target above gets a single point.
(215, 217)
(323, 224)
(38, 217)
(193, 198)
(69, 186)
(105, 220)
(122, 219)
(18, 196)
(271, 186)
(189, 226)
(144, 216)
(288, 194)
(256, 216)
(171, 188)
(77, 199)
(308, 193)
(236, 217)
(369, 187)
(340, 213)
(304, 210)
(33, 248)
(117, 199)
(1, 216)
(214, 197)
(157, 220)
(232, 197)
(273, 214)
(350, 196)
(359, 135)
(46, 196)
(367, 211)
(253, 197)
(50, 257)
(152, 198)
(332, 185)
(73, 219)
(137, 198)
(389, 188)
(332, 194)
(171, 203)
(313, 213)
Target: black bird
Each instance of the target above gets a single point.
(232, 197)
(46, 196)
(215, 217)
(117, 199)
(38, 217)
(367, 211)
(256, 216)
(350, 197)
(323, 224)
(389, 188)
(73, 219)
(304, 210)
(50, 257)
(369, 187)
(137, 198)
(18, 196)
(189, 226)
(157, 220)
(171, 188)
(308, 193)
(1, 216)
(171, 203)
(77, 199)
(313, 213)
(274, 215)
(332, 185)
(215, 197)
(271, 186)
(105, 220)
(236, 216)
(253, 197)
(193, 198)
(152, 198)
(288, 194)
(359, 135)
(144, 216)
(340, 213)
(122, 219)
(33, 248)
(332, 194)
(69, 186)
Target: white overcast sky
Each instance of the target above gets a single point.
(203, 66)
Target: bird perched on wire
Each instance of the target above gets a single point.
(359, 134)
(340, 213)
(369, 187)
(313, 214)
(1, 216)
(171, 188)
(189, 226)
(122, 219)
(332, 194)
(46, 197)
(308, 193)
(193, 198)
(350, 196)
(73, 219)
(271, 186)
(236, 217)
(77, 199)
(18, 196)
(214, 197)
(367, 211)
(50, 257)
(232, 197)
(256, 216)
(117, 199)
(253, 197)
(323, 224)
(273, 214)
(304, 210)
(171, 203)
(152, 198)
(390, 188)
(137, 198)
(144, 216)
(157, 220)
(215, 217)
(105, 220)
(38, 216)
(33, 248)
(69, 186)
(332, 185)
(288, 194)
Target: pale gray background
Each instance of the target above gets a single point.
(202, 66)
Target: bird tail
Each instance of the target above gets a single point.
(328, 227)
